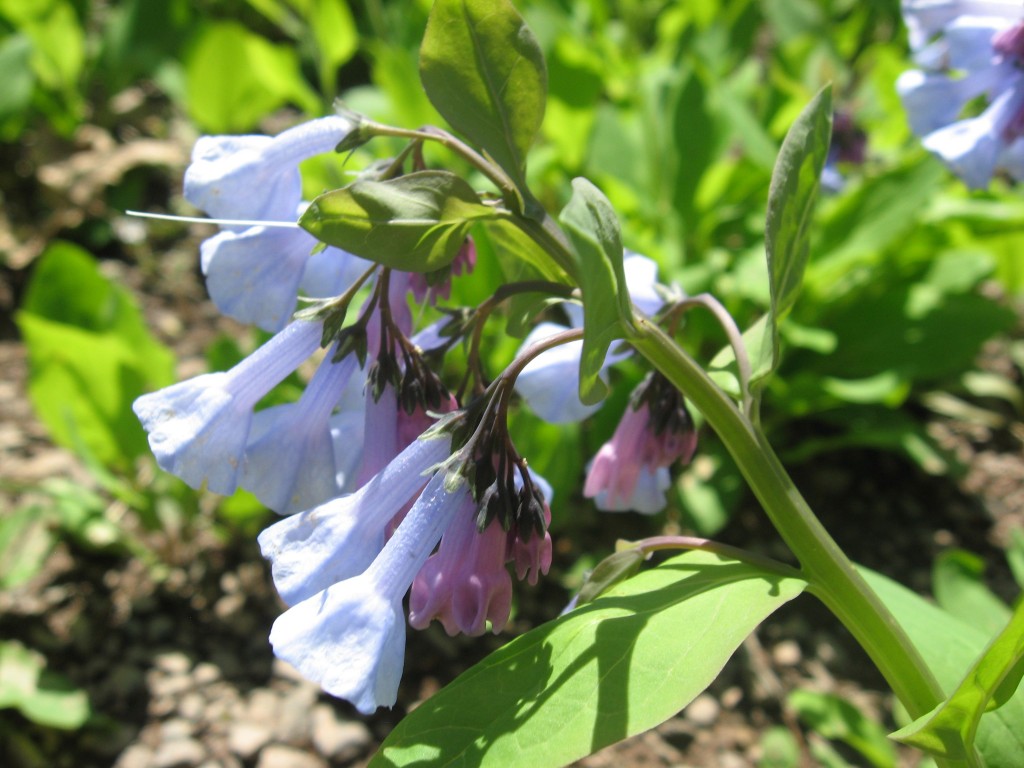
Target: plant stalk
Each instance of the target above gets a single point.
(833, 578)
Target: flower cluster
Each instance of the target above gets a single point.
(968, 50)
(387, 483)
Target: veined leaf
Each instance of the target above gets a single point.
(791, 197)
(483, 70)
(415, 223)
(616, 666)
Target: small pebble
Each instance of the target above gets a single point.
(136, 756)
(703, 710)
(247, 739)
(338, 740)
(180, 753)
(787, 653)
(280, 756)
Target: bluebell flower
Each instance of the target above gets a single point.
(550, 382)
(967, 49)
(254, 273)
(350, 637)
(339, 539)
(198, 429)
(289, 461)
(257, 177)
(466, 583)
(631, 470)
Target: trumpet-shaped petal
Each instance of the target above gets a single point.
(253, 276)
(330, 272)
(350, 638)
(311, 550)
(304, 474)
(968, 49)
(257, 177)
(550, 383)
(198, 428)
(465, 583)
(630, 471)
(972, 148)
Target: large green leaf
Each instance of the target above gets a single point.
(619, 665)
(90, 356)
(415, 223)
(484, 72)
(950, 647)
(591, 224)
(949, 730)
(791, 197)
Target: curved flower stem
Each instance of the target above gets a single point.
(832, 577)
(658, 543)
(714, 306)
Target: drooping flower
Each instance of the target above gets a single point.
(339, 539)
(465, 583)
(434, 285)
(257, 177)
(289, 460)
(968, 49)
(550, 382)
(350, 637)
(253, 273)
(345, 577)
(198, 429)
(631, 471)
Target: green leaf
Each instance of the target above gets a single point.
(791, 197)
(234, 78)
(42, 696)
(336, 37)
(25, 542)
(593, 228)
(958, 581)
(949, 730)
(415, 223)
(950, 647)
(483, 70)
(58, 40)
(90, 356)
(617, 666)
(835, 718)
(16, 95)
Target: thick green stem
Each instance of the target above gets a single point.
(832, 576)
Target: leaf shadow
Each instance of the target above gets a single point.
(518, 683)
